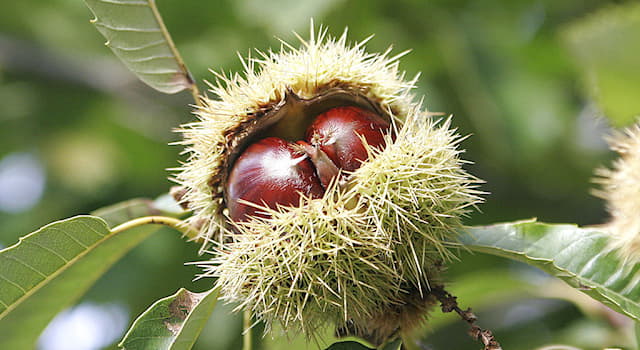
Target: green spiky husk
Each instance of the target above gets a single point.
(364, 250)
(621, 189)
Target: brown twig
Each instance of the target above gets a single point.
(449, 303)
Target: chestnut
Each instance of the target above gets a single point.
(338, 131)
(270, 172)
(273, 172)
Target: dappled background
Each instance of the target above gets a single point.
(529, 80)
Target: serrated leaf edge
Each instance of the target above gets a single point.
(589, 286)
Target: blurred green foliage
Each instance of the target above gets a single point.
(514, 73)
(607, 47)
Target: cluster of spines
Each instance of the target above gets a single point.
(620, 187)
(422, 193)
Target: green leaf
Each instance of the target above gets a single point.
(579, 256)
(347, 345)
(49, 269)
(135, 32)
(394, 345)
(607, 48)
(172, 323)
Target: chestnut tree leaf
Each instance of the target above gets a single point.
(578, 256)
(49, 269)
(171, 323)
(136, 34)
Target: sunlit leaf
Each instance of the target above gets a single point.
(135, 32)
(579, 256)
(606, 46)
(49, 269)
(171, 323)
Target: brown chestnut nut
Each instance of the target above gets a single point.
(338, 131)
(270, 172)
(274, 172)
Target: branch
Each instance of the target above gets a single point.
(449, 303)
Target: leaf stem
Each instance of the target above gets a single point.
(174, 223)
(195, 93)
(246, 335)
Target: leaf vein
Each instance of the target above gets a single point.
(151, 58)
(85, 247)
(157, 318)
(152, 337)
(572, 245)
(126, 3)
(172, 71)
(90, 228)
(24, 291)
(48, 249)
(26, 265)
(140, 47)
(127, 29)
